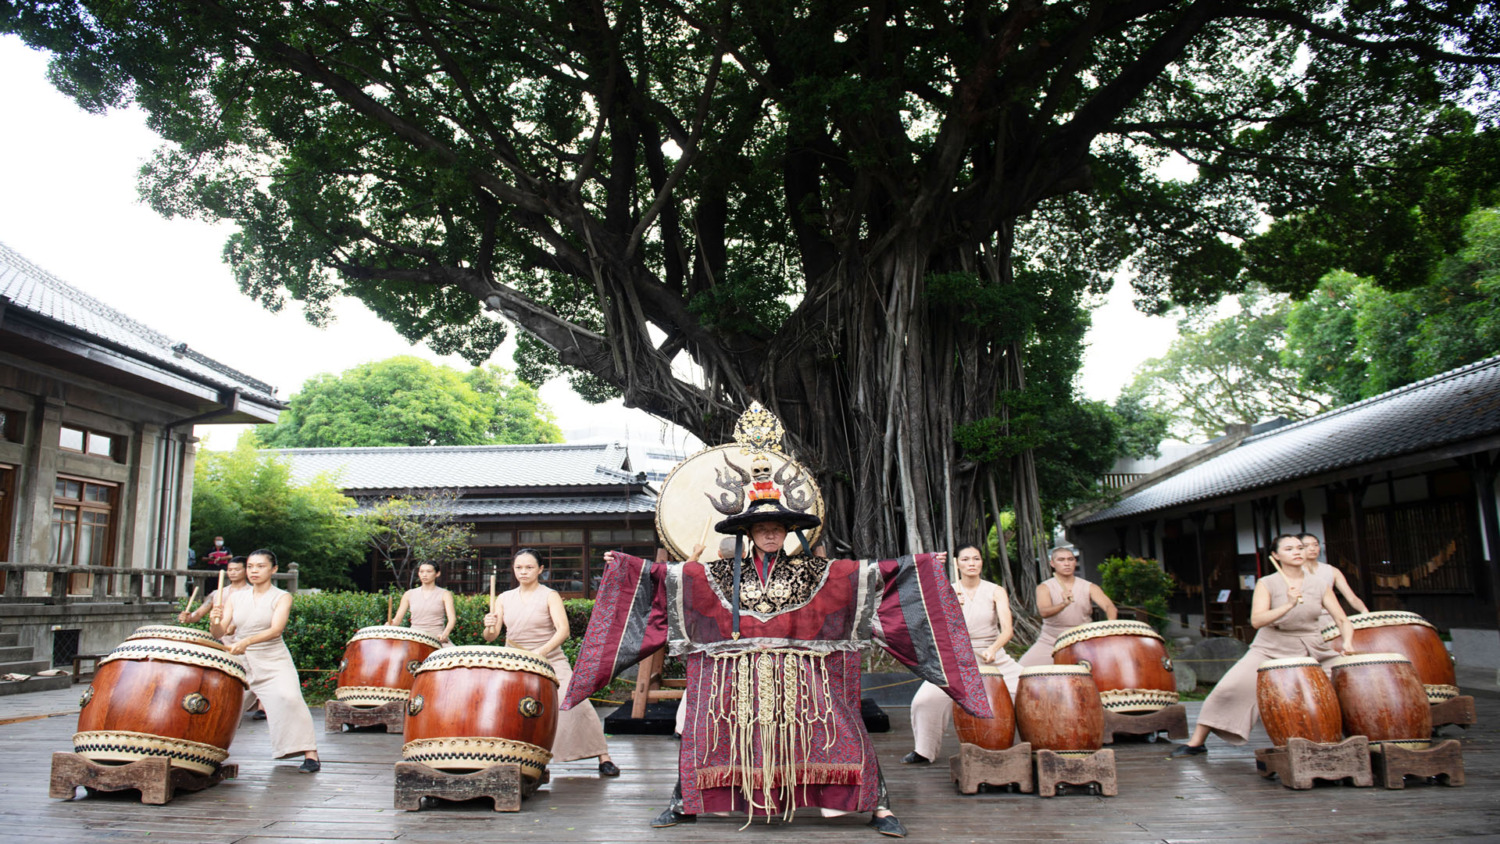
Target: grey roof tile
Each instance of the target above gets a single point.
(32, 288)
(1453, 407)
(592, 505)
(463, 467)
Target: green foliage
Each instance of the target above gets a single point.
(1141, 583)
(1222, 372)
(408, 401)
(406, 531)
(248, 497)
(1357, 339)
(322, 623)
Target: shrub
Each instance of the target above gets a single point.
(1139, 583)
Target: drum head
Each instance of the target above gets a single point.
(488, 656)
(1100, 629)
(176, 634)
(1054, 670)
(384, 631)
(1357, 660)
(1288, 662)
(685, 511)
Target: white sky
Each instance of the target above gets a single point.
(68, 204)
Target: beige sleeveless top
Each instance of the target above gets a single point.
(979, 614)
(427, 614)
(1302, 619)
(1081, 611)
(528, 624)
(253, 614)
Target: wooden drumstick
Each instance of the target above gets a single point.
(491, 608)
(191, 598)
(387, 609)
(703, 538)
(219, 593)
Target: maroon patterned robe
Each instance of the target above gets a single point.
(774, 717)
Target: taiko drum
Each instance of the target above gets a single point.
(1382, 698)
(1410, 635)
(165, 691)
(997, 732)
(1129, 663)
(1296, 700)
(380, 664)
(477, 706)
(1058, 709)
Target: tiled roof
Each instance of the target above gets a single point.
(1454, 407)
(33, 289)
(592, 505)
(464, 467)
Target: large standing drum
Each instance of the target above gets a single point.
(380, 664)
(1129, 662)
(1296, 700)
(998, 732)
(477, 706)
(165, 691)
(1382, 698)
(1058, 708)
(1410, 635)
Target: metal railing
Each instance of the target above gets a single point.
(112, 584)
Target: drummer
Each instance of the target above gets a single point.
(257, 617)
(1284, 613)
(536, 621)
(987, 613)
(1311, 550)
(1064, 602)
(236, 574)
(431, 605)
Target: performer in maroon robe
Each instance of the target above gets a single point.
(772, 645)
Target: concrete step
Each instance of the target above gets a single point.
(14, 654)
(28, 667)
(9, 640)
(35, 684)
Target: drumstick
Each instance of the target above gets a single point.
(703, 538)
(387, 609)
(219, 593)
(191, 598)
(491, 607)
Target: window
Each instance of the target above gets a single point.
(91, 443)
(7, 506)
(82, 515)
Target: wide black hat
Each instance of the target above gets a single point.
(768, 509)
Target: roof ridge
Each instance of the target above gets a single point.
(428, 449)
(87, 300)
(1388, 394)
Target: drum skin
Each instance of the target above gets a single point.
(1417, 640)
(997, 732)
(1129, 663)
(460, 702)
(149, 706)
(1058, 708)
(378, 669)
(1297, 700)
(1382, 698)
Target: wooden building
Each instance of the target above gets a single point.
(570, 503)
(1400, 487)
(96, 462)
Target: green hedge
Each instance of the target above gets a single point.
(322, 624)
(1141, 584)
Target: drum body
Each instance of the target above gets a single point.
(1058, 708)
(1382, 698)
(998, 732)
(1410, 635)
(176, 697)
(1296, 700)
(477, 706)
(380, 665)
(1129, 663)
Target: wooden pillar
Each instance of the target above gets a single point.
(1356, 490)
(1199, 518)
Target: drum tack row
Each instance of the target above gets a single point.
(175, 694)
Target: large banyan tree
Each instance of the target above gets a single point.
(877, 219)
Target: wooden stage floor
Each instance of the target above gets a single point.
(1214, 798)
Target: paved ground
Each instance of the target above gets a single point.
(1218, 797)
